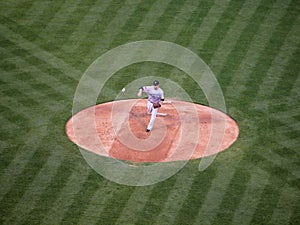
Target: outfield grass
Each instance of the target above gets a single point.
(253, 48)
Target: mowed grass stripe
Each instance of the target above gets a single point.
(81, 199)
(197, 191)
(22, 30)
(177, 197)
(69, 23)
(33, 96)
(34, 118)
(272, 190)
(220, 29)
(94, 209)
(251, 197)
(19, 114)
(209, 22)
(271, 50)
(48, 197)
(229, 41)
(132, 24)
(37, 52)
(27, 72)
(295, 90)
(213, 199)
(194, 22)
(65, 197)
(289, 126)
(287, 85)
(33, 127)
(258, 214)
(47, 13)
(228, 52)
(286, 163)
(112, 29)
(180, 20)
(288, 143)
(262, 36)
(286, 206)
(7, 127)
(32, 66)
(239, 51)
(8, 146)
(51, 30)
(135, 204)
(108, 92)
(295, 217)
(9, 110)
(11, 122)
(9, 173)
(36, 188)
(36, 123)
(283, 173)
(7, 7)
(113, 208)
(154, 203)
(288, 129)
(66, 164)
(149, 19)
(81, 31)
(14, 23)
(29, 161)
(232, 196)
(34, 13)
(95, 32)
(170, 9)
(167, 10)
(286, 123)
(280, 66)
(164, 21)
(16, 9)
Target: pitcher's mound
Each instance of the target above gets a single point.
(182, 131)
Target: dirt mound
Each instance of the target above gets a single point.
(184, 131)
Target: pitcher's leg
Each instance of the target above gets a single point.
(149, 107)
(153, 116)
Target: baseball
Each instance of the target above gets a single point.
(123, 90)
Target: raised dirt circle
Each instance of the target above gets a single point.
(117, 129)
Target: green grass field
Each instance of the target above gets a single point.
(253, 48)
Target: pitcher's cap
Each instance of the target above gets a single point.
(155, 83)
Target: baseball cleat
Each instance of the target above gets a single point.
(147, 130)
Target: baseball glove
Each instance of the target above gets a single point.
(156, 105)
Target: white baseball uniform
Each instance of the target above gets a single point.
(154, 96)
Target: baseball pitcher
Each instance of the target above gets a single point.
(155, 96)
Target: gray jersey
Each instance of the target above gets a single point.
(154, 96)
